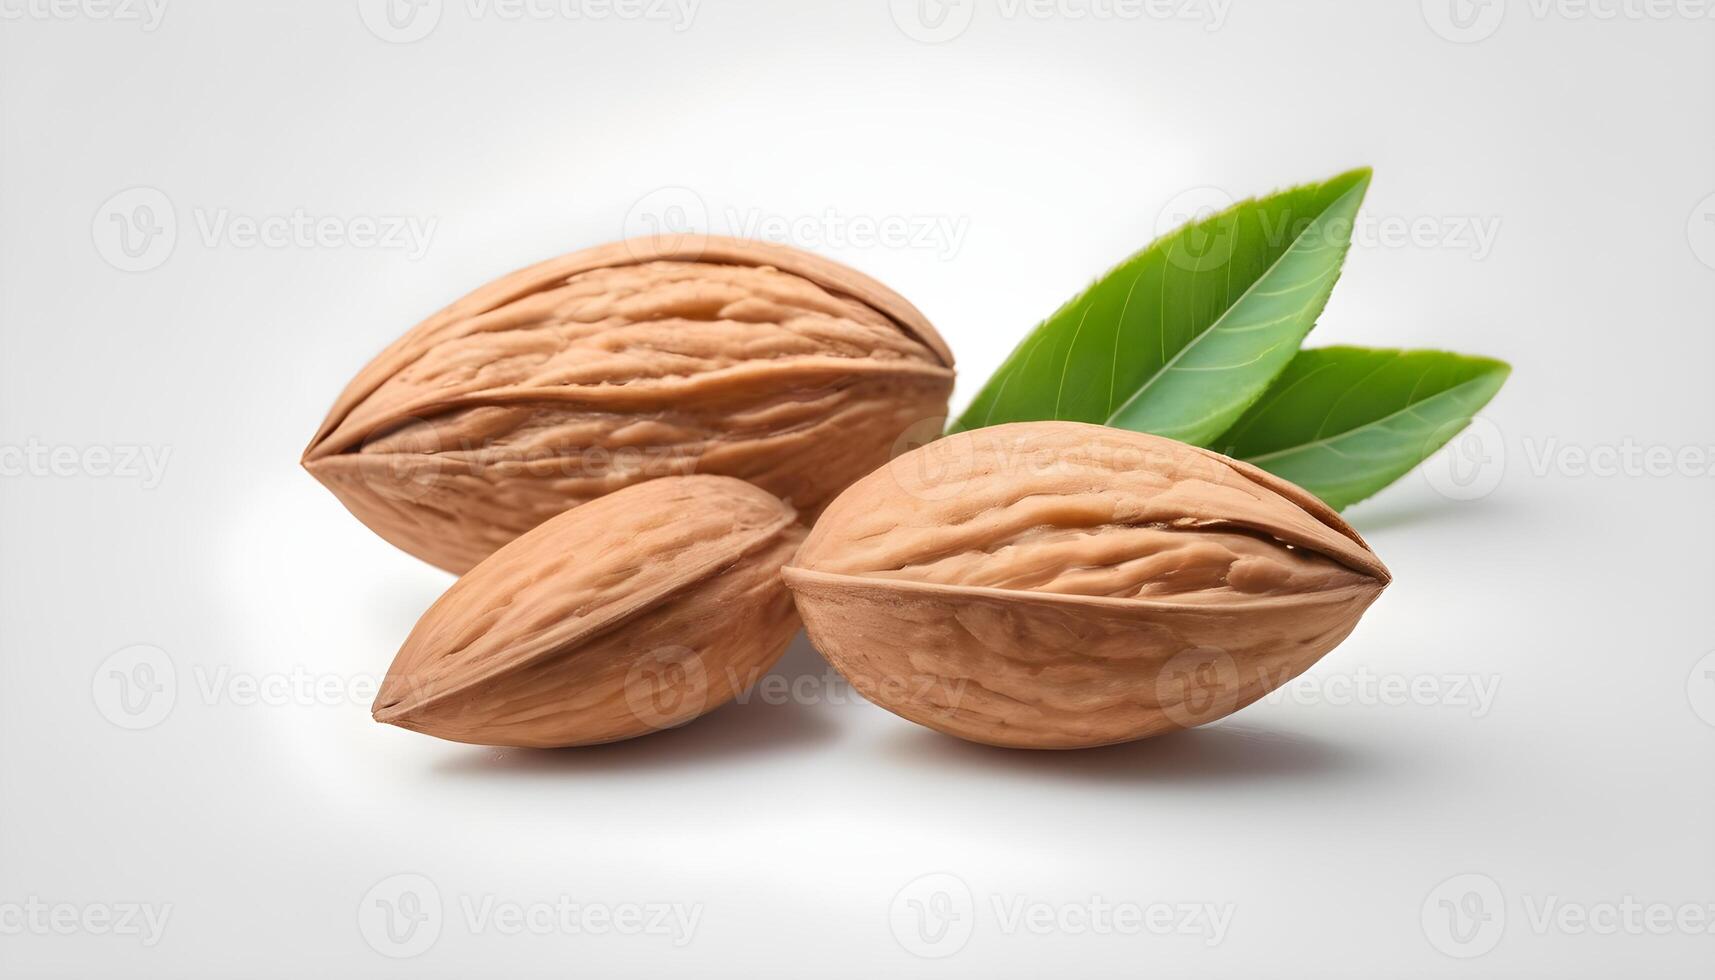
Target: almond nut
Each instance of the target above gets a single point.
(1056, 585)
(633, 613)
(601, 369)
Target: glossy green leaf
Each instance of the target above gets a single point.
(1343, 422)
(1182, 337)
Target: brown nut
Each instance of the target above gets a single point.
(608, 367)
(1058, 585)
(630, 614)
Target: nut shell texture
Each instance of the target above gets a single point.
(635, 612)
(599, 370)
(1057, 585)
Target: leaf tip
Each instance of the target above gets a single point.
(1359, 177)
(1353, 184)
(1484, 365)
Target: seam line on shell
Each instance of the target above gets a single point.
(1182, 526)
(813, 577)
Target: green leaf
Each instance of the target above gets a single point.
(1343, 422)
(1182, 337)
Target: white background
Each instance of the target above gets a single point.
(1335, 826)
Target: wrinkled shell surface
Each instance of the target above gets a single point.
(1056, 585)
(599, 370)
(633, 613)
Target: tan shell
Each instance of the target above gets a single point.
(630, 614)
(1057, 585)
(639, 359)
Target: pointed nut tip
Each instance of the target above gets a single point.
(390, 706)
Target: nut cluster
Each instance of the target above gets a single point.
(620, 450)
